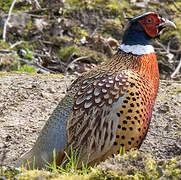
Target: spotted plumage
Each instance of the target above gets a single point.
(114, 108)
(111, 105)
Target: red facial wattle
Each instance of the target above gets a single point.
(150, 24)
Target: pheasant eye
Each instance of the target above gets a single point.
(149, 20)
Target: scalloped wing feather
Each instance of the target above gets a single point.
(92, 126)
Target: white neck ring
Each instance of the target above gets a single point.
(137, 49)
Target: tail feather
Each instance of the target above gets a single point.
(27, 160)
(34, 160)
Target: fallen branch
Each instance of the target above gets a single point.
(176, 70)
(7, 20)
(16, 44)
(37, 4)
(6, 51)
(43, 68)
(176, 6)
(75, 60)
(36, 65)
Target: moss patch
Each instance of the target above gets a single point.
(26, 68)
(133, 165)
(9, 62)
(66, 52)
(4, 45)
(112, 28)
(79, 33)
(139, 165)
(5, 5)
(93, 56)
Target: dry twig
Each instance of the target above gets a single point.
(7, 20)
(16, 44)
(176, 70)
(5, 51)
(37, 4)
(75, 60)
(176, 6)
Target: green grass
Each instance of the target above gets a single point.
(70, 166)
(26, 68)
(66, 52)
(132, 165)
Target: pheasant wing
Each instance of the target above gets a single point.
(91, 128)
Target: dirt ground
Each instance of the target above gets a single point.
(26, 102)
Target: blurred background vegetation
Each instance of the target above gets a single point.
(61, 36)
(72, 36)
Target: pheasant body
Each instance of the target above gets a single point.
(109, 106)
(114, 106)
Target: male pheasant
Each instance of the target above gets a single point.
(109, 106)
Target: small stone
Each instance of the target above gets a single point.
(164, 108)
(1, 145)
(51, 90)
(45, 95)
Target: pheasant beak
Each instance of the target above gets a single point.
(166, 23)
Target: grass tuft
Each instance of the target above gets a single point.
(131, 165)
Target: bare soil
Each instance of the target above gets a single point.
(26, 102)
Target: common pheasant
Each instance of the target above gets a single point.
(109, 106)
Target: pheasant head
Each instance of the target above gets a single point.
(141, 30)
